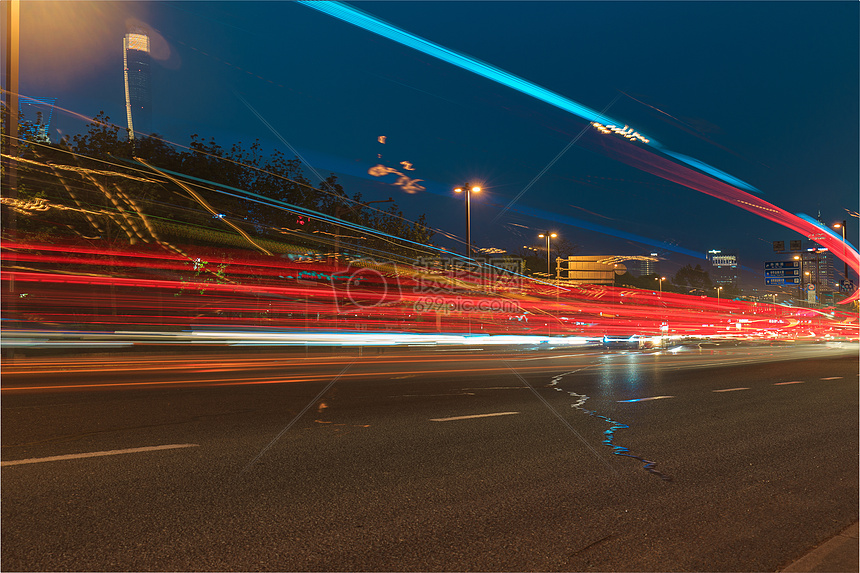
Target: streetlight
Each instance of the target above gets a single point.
(719, 288)
(842, 226)
(664, 324)
(469, 189)
(800, 258)
(547, 237)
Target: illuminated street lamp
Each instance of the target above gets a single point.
(799, 258)
(842, 226)
(660, 280)
(719, 288)
(547, 236)
(469, 189)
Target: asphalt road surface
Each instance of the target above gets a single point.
(706, 459)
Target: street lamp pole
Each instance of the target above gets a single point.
(802, 290)
(468, 189)
(547, 236)
(842, 226)
(660, 304)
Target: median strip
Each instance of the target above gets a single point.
(473, 416)
(97, 454)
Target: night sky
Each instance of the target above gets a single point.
(767, 92)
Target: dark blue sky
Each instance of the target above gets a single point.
(767, 92)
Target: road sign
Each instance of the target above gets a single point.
(795, 245)
(847, 286)
(778, 246)
(782, 281)
(782, 265)
(782, 273)
(810, 287)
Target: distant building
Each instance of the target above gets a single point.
(818, 262)
(595, 269)
(138, 91)
(647, 265)
(724, 268)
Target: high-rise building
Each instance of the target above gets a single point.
(818, 262)
(724, 268)
(138, 92)
(649, 265)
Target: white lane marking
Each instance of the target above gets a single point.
(784, 383)
(730, 389)
(97, 454)
(473, 416)
(431, 395)
(646, 399)
(555, 357)
(833, 378)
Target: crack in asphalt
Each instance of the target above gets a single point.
(647, 465)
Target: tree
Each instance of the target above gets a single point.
(693, 279)
(102, 140)
(124, 201)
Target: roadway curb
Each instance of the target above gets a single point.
(838, 554)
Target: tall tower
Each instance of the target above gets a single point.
(138, 93)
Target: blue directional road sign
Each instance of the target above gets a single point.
(782, 273)
(782, 281)
(781, 265)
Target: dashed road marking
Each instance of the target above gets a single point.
(498, 388)
(97, 454)
(646, 399)
(730, 389)
(784, 383)
(833, 378)
(473, 416)
(432, 395)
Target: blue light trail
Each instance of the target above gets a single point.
(362, 20)
(574, 222)
(702, 166)
(826, 229)
(372, 24)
